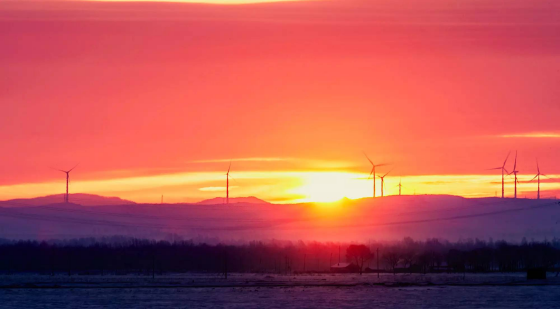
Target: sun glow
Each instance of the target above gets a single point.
(231, 2)
(331, 186)
(277, 186)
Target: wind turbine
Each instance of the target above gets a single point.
(373, 173)
(400, 186)
(382, 177)
(502, 168)
(227, 183)
(515, 175)
(67, 179)
(538, 177)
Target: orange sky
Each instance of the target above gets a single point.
(206, 1)
(155, 98)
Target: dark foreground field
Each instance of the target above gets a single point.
(279, 291)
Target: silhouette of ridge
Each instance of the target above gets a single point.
(79, 199)
(221, 200)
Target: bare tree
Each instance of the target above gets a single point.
(408, 257)
(359, 254)
(392, 257)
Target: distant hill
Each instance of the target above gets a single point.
(247, 219)
(80, 199)
(222, 200)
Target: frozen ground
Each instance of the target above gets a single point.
(279, 291)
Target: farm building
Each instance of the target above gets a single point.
(344, 268)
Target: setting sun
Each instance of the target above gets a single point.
(331, 186)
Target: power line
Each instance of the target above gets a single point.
(257, 223)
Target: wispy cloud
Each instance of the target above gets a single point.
(215, 188)
(308, 163)
(246, 159)
(554, 135)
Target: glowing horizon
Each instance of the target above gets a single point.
(224, 2)
(278, 186)
(533, 135)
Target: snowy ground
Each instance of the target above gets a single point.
(279, 291)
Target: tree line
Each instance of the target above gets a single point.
(121, 255)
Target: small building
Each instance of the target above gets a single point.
(536, 274)
(372, 270)
(344, 268)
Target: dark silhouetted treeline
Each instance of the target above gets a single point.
(120, 255)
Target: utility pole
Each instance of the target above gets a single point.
(52, 260)
(153, 266)
(378, 263)
(339, 255)
(225, 264)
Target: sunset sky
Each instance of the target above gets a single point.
(155, 98)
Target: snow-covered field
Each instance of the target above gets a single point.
(279, 291)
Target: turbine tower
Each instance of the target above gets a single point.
(400, 186)
(67, 180)
(227, 183)
(373, 173)
(382, 177)
(515, 175)
(502, 168)
(538, 177)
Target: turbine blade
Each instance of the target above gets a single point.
(234, 179)
(370, 174)
(58, 169)
(371, 162)
(498, 168)
(534, 178)
(229, 166)
(73, 167)
(387, 173)
(505, 162)
(381, 165)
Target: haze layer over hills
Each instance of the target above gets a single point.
(387, 218)
(81, 199)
